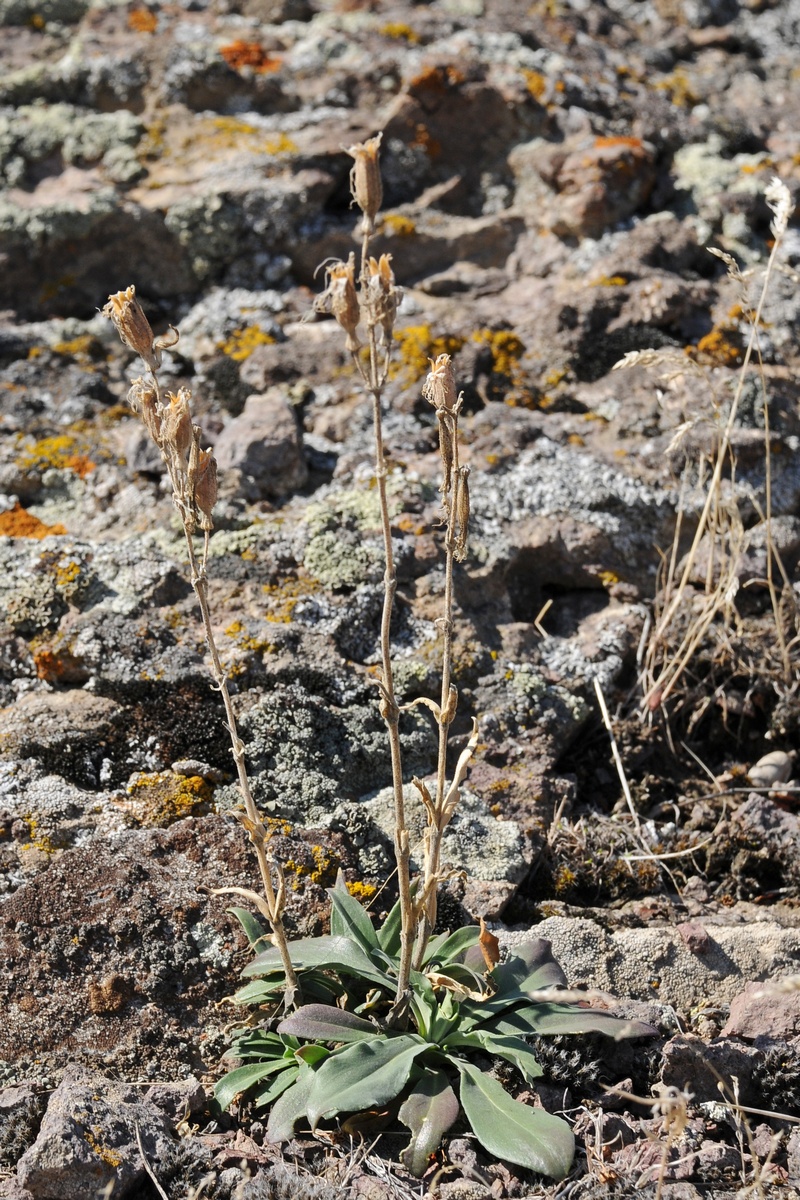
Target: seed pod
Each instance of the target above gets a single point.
(440, 386)
(143, 400)
(446, 449)
(127, 315)
(343, 299)
(365, 179)
(449, 711)
(205, 488)
(381, 296)
(462, 514)
(177, 433)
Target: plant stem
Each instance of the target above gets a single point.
(390, 709)
(253, 824)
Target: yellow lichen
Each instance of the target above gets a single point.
(362, 891)
(160, 798)
(610, 281)
(242, 342)
(111, 1157)
(608, 578)
(398, 225)
(400, 32)
(417, 344)
(322, 873)
(81, 348)
(62, 451)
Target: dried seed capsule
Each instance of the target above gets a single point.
(462, 514)
(343, 300)
(143, 399)
(176, 426)
(205, 488)
(440, 385)
(365, 179)
(381, 296)
(125, 311)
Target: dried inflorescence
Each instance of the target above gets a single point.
(192, 471)
(365, 179)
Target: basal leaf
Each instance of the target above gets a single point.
(546, 1018)
(243, 1078)
(511, 1131)
(530, 968)
(267, 1095)
(290, 1107)
(429, 1111)
(340, 954)
(254, 931)
(513, 1050)
(324, 1023)
(350, 919)
(389, 932)
(258, 990)
(454, 945)
(363, 1075)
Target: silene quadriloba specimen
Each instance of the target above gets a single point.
(395, 1012)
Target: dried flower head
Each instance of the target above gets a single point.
(205, 488)
(381, 296)
(133, 326)
(143, 399)
(440, 386)
(340, 298)
(365, 179)
(176, 426)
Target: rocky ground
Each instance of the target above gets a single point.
(553, 174)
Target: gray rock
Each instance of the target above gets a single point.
(658, 964)
(87, 1140)
(263, 446)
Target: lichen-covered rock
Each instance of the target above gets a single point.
(89, 1138)
(263, 448)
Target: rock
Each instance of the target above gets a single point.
(177, 1101)
(88, 1138)
(263, 447)
(696, 1065)
(657, 963)
(773, 768)
(764, 1010)
(21, 1110)
(599, 182)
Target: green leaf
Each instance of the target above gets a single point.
(429, 1111)
(311, 1054)
(259, 989)
(363, 1075)
(547, 1018)
(290, 1107)
(350, 919)
(267, 1095)
(254, 931)
(513, 1050)
(454, 945)
(389, 932)
(423, 1002)
(530, 968)
(324, 1023)
(339, 954)
(256, 1043)
(243, 1078)
(511, 1131)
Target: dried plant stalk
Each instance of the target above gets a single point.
(374, 301)
(193, 476)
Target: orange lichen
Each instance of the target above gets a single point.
(633, 142)
(142, 20)
(241, 54)
(536, 83)
(717, 348)
(436, 80)
(56, 667)
(17, 522)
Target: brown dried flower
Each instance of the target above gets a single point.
(365, 179)
(440, 386)
(340, 299)
(177, 424)
(462, 514)
(205, 488)
(143, 399)
(133, 326)
(381, 296)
